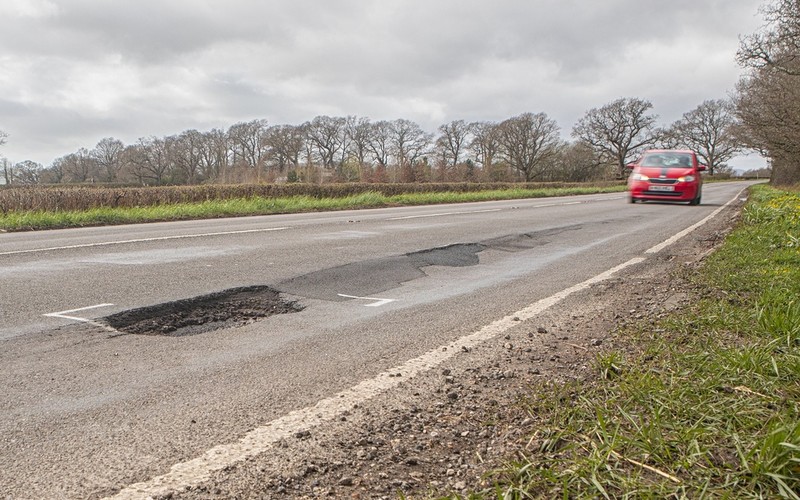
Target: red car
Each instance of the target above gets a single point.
(666, 175)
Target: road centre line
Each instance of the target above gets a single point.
(198, 470)
(443, 214)
(143, 240)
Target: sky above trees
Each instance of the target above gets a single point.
(75, 71)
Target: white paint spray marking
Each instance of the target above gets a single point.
(261, 439)
(143, 240)
(378, 301)
(67, 315)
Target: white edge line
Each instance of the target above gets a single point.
(142, 240)
(664, 244)
(259, 440)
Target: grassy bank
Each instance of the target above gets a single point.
(711, 406)
(22, 220)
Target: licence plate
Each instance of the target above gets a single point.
(662, 188)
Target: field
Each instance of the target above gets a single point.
(39, 208)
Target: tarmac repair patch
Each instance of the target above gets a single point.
(205, 313)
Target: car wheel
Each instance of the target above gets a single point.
(696, 200)
(632, 199)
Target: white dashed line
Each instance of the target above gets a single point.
(444, 214)
(143, 240)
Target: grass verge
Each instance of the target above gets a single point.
(711, 406)
(37, 220)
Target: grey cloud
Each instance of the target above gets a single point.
(131, 69)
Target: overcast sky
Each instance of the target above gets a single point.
(75, 71)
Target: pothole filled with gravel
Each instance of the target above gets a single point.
(205, 313)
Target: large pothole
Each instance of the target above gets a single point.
(205, 313)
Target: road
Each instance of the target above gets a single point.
(87, 410)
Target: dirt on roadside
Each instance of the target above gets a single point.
(445, 431)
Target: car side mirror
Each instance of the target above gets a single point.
(702, 167)
(630, 165)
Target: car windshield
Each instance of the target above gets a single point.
(667, 160)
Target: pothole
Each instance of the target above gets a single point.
(205, 313)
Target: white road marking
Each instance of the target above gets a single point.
(443, 214)
(379, 302)
(66, 315)
(261, 439)
(143, 240)
(544, 205)
(669, 241)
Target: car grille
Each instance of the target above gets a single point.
(662, 193)
(664, 181)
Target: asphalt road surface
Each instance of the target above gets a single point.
(88, 409)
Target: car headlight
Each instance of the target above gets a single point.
(686, 178)
(640, 177)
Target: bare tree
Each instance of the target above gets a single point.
(452, 143)
(327, 135)
(619, 130)
(358, 133)
(485, 144)
(286, 143)
(8, 174)
(78, 167)
(108, 155)
(528, 142)
(151, 161)
(8, 171)
(710, 131)
(186, 154)
(247, 144)
(578, 162)
(28, 172)
(768, 99)
(214, 148)
(768, 105)
(409, 143)
(380, 142)
(777, 44)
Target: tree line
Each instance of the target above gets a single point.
(763, 115)
(528, 147)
